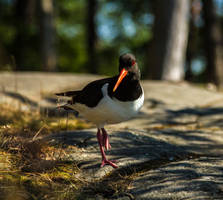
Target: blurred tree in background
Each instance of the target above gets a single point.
(47, 34)
(172, 39)
(91, 35)
(214, 43)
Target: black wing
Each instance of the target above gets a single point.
(91, 93)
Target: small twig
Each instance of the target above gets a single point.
(38, 132)
(67, 121)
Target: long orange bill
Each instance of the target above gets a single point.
(122, 75)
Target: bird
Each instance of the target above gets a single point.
(109, 101)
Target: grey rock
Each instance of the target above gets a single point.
(174, 148)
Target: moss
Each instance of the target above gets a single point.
(33, 168)
(50, 183)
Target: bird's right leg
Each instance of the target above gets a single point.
(104, 159)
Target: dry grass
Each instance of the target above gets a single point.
(29, 167)
(33, 169)
(113, 185)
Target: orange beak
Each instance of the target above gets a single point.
(122, 75)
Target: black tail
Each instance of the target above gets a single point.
(68, 109)
(68, 93)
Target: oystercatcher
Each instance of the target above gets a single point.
(109, 101)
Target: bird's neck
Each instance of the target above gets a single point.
(128, 90)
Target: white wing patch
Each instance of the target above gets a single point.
(108, 110)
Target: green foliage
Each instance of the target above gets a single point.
(121, 26)
(71, 39)
(126, 21)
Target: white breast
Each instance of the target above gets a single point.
(110, 110)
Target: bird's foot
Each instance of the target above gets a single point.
(108, 162)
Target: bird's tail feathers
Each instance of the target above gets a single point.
(68, 109)
(68, 93)
(70, 102)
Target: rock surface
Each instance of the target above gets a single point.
(174, 146)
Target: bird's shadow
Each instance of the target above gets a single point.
(170, 159)
(128, 148)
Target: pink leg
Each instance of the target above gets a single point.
(104, 159)
(105, 143)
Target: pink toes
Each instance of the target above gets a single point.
(108, 162)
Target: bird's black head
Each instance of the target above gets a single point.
(128, 68)
(126, 61)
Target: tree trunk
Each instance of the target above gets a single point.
(167, 55)
(47, 35)
(214, 44)
(21, 7)
(92, 64)
(193, 38)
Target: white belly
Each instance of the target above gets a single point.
(110, 111)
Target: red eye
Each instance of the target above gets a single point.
(133, 62)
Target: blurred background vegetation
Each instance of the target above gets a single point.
(172, 39)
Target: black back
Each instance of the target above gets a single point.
(92, 93)
(128, 90)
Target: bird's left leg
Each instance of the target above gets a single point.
(104, 159)
(105, 139)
